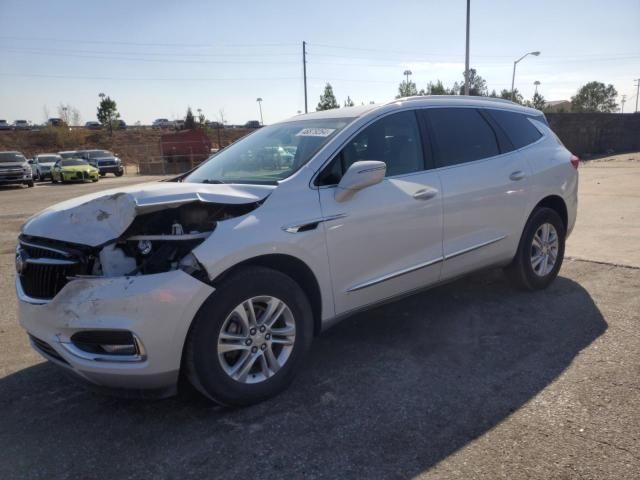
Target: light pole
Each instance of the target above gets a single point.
(624, 99)
(466, 55)
(513, 78)
(406, 73)
(259, 100)
(536, 83)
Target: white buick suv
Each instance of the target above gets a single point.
(225, 274)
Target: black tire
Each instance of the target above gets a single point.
(30, 184)
(102, 174)
(520, 271)
(119, 173)
(201, 363)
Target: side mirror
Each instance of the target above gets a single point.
(30, 162)
(360, 175)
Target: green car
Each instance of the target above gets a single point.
(74, 170)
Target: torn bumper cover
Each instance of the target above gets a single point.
(156, 310)
(107, 284)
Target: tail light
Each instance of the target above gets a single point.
(575, 161)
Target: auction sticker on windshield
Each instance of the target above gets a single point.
(315, 132)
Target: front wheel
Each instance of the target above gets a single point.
(119, 173)
(540, 252)
(249, 338)
(30, 183)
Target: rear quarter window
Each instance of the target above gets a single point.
(517, 126)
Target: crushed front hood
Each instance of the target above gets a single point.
(101, 217)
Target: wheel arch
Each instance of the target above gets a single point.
(295, 268)
(556, 203)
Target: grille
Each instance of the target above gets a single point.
(35, 251)
(106, 163)
(46, 349)
(45, 270)
(46, 280)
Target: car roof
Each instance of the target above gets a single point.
(11, 151)
(47, 155)
(419, 101)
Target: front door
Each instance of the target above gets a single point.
(387, 239)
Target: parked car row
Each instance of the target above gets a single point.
(16, 125)
(66, 166)
(55, 122)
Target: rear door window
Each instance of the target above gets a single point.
(460, 135)
(517, 126)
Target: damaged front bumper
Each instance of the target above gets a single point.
(156, 310)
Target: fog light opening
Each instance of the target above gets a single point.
(105, 344)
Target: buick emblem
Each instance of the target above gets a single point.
(21, 264)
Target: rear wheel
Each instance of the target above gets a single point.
(540, 252)
(249, 338)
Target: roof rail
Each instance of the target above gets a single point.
(453, 97)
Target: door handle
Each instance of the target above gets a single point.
(517, 175)
(425, 193)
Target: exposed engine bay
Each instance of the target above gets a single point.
(156, 242)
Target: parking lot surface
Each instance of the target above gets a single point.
(468, 380)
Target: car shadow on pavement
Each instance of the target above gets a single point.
(388, 393)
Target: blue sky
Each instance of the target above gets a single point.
(157, 57)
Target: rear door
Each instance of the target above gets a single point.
(485, 188)
(387, 239)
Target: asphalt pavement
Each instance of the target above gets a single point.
(469, 380)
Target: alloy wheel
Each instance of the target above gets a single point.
(256, 339)
(544, 249)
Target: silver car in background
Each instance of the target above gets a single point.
(42, 164)
(226, 274)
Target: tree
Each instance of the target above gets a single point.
(407, 89)
(348, 102)
(327, 99)
(437, 89)
(595, 97)
(506, 94)
(538, 101)
(107, 112)
(201, 118)
(69, 114)
(189, 120)
(477, 85)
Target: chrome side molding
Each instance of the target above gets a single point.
(457, 253)
(389, 276)
(419, 266)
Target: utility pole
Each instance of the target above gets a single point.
(637, 92)
(624, 99)
(466, 56)
(304, 72)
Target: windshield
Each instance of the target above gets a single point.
(48, 158)
(73, 162)
(100, 154)
(11, 157)
(270, 154)
(68, 154)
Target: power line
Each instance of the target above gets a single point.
(147, 79)
(139, 44)
(149, 60)
(143, 54)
